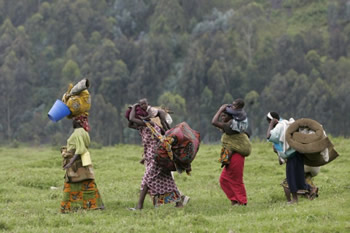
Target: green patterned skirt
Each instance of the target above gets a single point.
(81, 195)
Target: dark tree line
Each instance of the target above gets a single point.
(188, 55)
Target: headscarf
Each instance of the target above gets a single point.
(269, 116)
(83, 122)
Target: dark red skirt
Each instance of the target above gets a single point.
(231, 180)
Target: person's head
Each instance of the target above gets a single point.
(143, 103)
(238, 103)
(225, 116)
(272, 115)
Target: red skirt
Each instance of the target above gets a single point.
(231, 180)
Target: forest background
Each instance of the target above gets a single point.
(192, 56)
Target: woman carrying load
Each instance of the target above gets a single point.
(236, 146)
(157, 182)
(80, 190)
(295, 160)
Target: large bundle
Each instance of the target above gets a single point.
(237, 142)
(308, 137)
(184, 147)
(78, 98)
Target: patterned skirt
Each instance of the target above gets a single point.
(81, 195)
(161, 185)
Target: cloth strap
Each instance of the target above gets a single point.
(166, 141)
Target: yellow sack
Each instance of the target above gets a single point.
(78, 102)
(237, 142)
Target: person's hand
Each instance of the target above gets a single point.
(134, 105)
(274, 121)
(223, 107)
(225, 164)
(142, 161)
(146, 118)
(280, 160)
(68, 165)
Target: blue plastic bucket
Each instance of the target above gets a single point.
(58, 111)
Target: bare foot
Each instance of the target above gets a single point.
(234, 203)
(179, 204)
(292, 202)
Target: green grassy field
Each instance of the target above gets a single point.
(28, 204)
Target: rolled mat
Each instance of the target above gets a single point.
(311, 145)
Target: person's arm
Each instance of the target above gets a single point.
(133, 118)
(71, 161)
(146, 117)
(162, 117)
(272, 124)
(215, 121)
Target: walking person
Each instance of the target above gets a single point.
(236, 146)
(156, 182)
(80, 190)
(294, 159)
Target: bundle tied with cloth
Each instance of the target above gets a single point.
(78, 99)
(177, 148)
(239, 143)
(307, 136)
(234, 143)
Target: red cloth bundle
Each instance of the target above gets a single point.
(185, 147)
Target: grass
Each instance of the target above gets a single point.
(28, 204)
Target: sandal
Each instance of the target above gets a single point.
(185, 200)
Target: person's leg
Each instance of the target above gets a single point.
(295, 198)
(143, 194)
(287, 193)
(179, 204)
(231, 180)
(292, 178)
(299, 172)
(184, 199)
(313, 192)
